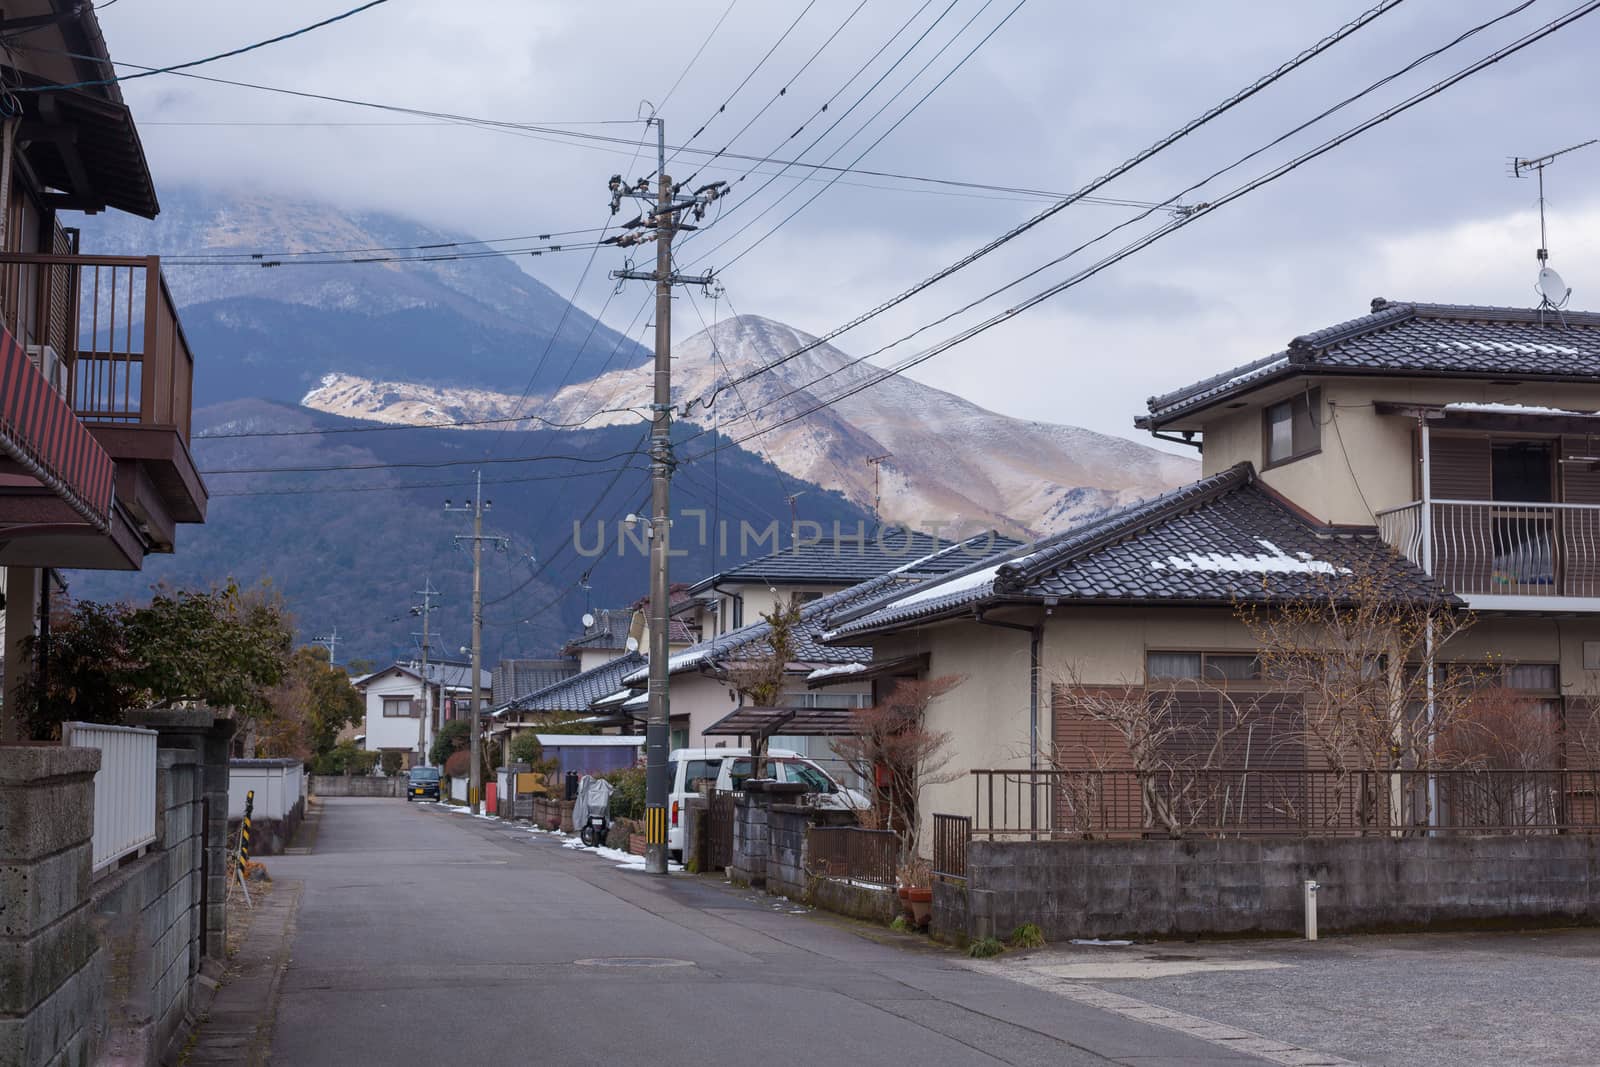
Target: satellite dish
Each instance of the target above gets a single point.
(633, 644)
(1551, 287)
(588, 619)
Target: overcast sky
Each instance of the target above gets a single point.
(1421, 208)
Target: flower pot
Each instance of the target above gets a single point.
(904, 893)
(921, 901)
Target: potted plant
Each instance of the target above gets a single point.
(916, 877)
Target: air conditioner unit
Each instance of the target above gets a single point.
(51, 365)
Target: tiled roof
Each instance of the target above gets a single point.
(518, 677)
(750, 642)
(1416, 340)
(450, 675)
(579, 691)
(1222, 540)
(843, 560)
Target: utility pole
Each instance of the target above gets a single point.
(476, 509)
(425, 724)
(877, 491)
(659, 222)
(329, 641)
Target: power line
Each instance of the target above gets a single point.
(687, 67)
(424, 464)
(449, 257)
(880, 138)
(213, 253)
(1178, 223)
(306, 490)
(177, 67)
(1133, 161)
(497, 421)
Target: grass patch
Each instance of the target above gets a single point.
(1028, 935)
(900, 926)
(988, 947)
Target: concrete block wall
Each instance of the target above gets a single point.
(787, 825)
(150, 917)
(350, 785)
(52, 965)
(1166, 888)
(749, 866)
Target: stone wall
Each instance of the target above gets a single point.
(1162, 888)
(787, 847)
(52, 964)
(351, 785)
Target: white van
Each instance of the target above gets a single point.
(691, 770)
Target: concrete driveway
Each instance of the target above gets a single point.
(427, 937)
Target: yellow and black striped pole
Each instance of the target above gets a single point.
(655, 826)
(244, 828)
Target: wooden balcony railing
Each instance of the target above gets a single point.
(112, 322)
(1501, 548)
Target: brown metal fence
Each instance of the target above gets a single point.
(719, 829)
(950, 836)
(1045, 805)
(853, 854)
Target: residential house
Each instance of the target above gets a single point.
(606, 635)
(569, 697)
(1462, 436)
(406, 705)
(96, 374)
(706, 701)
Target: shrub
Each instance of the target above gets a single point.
(452, 736)
(900, 926)
(525, 748)
(988, 947)
(627, 793)
(1028, 935)
(392, 761)
(344, 758)
(458, 765)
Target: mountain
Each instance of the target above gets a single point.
(949, 460)
(273, 332)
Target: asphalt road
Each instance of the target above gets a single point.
(427, 937)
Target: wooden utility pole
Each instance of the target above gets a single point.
(663, 214)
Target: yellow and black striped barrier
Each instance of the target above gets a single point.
(655, 825)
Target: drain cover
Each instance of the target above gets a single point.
(634, 961)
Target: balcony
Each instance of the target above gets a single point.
(103, 334)
(1504, 555)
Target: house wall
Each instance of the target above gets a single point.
(1368, 461)
(590, 658)
(395, 733)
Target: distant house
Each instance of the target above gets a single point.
(397, 696)
(819, 678)
(514, 678)
(606, 636)
(569, 697)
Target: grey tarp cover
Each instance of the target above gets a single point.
(594, 797)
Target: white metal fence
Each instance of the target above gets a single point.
(1503, 548)
(124, 787)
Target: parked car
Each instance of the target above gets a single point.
(422, 784)
(691, 770)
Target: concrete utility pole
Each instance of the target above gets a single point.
(877, 487)
(659, 223)
(425, 721)
(476, 509)
(329, 641)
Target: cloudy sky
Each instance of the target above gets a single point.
(1420, 208)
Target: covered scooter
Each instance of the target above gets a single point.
(591, 810)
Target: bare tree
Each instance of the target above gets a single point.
(894, 752)
(760, 680)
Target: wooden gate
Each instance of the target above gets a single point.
(719, 829)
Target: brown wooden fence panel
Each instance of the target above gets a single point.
(719, 829)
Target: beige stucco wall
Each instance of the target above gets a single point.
(1359, 446)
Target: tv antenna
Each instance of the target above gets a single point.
(1553, 292)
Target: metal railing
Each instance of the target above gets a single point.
(124, 787)
(1054, 805)
(849, 853)
(112, 322)
(1503, 548)
(950, 836)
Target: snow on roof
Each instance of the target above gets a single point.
(590, 740)
(1273, 561)
(959, 584)
(836, 670)
(1515, 409)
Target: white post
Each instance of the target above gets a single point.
(1311, 909)
(1427, 497)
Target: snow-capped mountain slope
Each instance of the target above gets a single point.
(948, 459)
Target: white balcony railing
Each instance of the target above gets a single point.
(124, 787)
(1502, 548)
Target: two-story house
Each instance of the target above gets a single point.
(406, 705)
(1462, 436)
(95, 373)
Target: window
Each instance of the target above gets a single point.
(701, 774)
(1210, 666)
(812, 776)
(399, 708)
(1293, 427)
(1522, 471)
